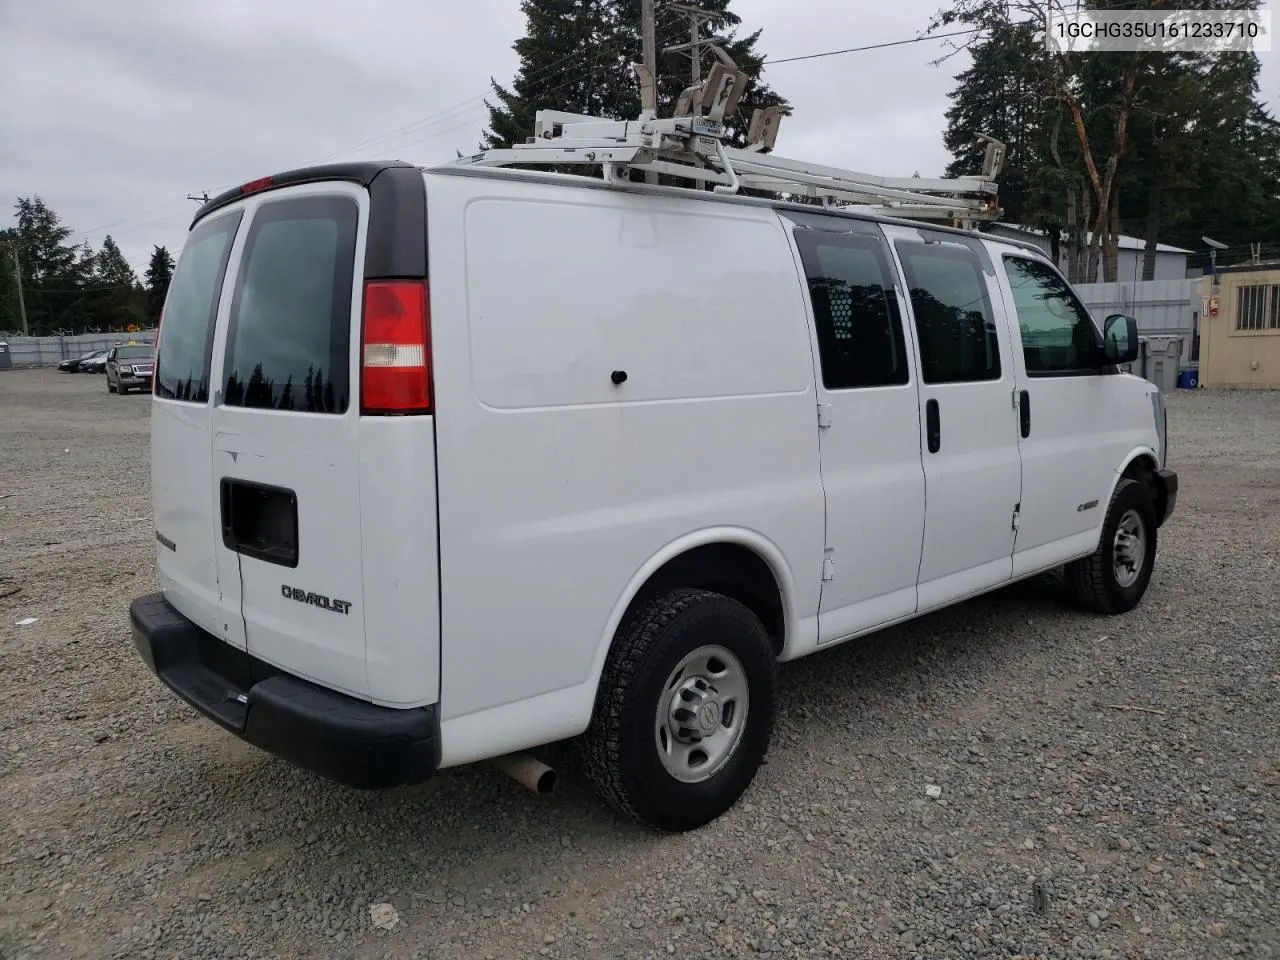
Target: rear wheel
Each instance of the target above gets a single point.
(1115, 577)
(685, 709)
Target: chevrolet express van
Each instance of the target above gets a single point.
(450, 463)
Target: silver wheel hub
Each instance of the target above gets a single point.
(1129, 549)
(701, 715)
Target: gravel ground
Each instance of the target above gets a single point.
(1108, 786)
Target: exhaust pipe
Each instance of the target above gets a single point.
(528, 772)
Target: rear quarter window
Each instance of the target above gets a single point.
(290, 329)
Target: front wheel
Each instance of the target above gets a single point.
(1115, 577)
(685, 709)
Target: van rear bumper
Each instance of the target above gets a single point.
(339, 737)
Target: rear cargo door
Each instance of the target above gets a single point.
(183, 492)
(285, 421)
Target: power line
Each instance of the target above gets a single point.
(387, 139)
(873, 46)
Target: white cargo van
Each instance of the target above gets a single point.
(450, 463)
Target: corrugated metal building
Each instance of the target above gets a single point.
(1171, 262)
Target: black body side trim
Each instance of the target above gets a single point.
(362, 172)
(396, 246)
(339, 737)
(1166, 494)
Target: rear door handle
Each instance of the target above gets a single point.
(933, 426)
(1024, 413)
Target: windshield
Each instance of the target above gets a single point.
(142, 352)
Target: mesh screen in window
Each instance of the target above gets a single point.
(860, 337)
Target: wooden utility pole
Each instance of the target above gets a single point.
(648, 73)
(697, 17)
(649, 76)
(695, 47)
(17, 276)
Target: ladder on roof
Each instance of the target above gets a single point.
(692, 149)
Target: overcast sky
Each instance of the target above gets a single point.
(114, 112)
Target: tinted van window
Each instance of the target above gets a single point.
(958, 339)
(186, 341)
(855, 309)
(290, 328)
(1058, 335)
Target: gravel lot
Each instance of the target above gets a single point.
(1109, 786)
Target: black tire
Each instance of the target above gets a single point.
(1093, 582)
(620, 752)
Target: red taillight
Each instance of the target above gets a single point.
(253, 186)
(396, 348)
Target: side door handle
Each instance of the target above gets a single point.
(933, 426)
(1024, 413)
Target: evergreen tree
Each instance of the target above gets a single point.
(568, 45)
(674, 69)
(1003, 94)
(1161, 145)
(159, 275)
(111, 268)
(115, 304)
(1227, 161)
(54, 272)
(577, 56)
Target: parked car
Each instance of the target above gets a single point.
(94, 365)
(129, 366)
(429, 489)
(76, 364)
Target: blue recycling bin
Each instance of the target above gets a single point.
(1188, 378)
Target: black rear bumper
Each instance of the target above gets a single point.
(1166, 495)
(339, 737)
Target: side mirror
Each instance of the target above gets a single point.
(1120, 339)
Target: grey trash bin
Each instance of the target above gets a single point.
(1163, 362)
(6, 356)
(1138, 366)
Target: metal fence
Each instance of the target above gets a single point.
(50, 351)
(1163, 308)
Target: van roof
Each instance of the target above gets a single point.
(364, 172)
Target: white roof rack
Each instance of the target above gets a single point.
(692, 149)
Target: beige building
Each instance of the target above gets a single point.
(1240, 345)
